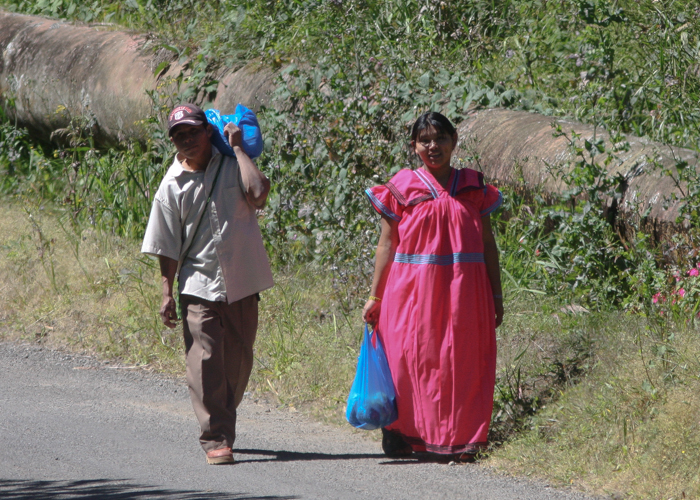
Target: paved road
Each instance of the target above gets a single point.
(74, 428)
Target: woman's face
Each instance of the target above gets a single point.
(434, 148)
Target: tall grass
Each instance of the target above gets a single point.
(630, 426)
(308, 345)
(69, 286)
(76, 288)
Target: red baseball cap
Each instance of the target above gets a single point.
(188, 113)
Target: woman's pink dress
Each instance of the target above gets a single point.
(437, 319)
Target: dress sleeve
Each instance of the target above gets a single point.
(491, 201)
(384, 202)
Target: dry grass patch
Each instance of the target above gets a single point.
(630, 428)
(73, 288)
(307, 344)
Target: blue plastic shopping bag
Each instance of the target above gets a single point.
(246, 120)
(372, 400)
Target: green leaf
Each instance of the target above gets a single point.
(424, 80)
(170, 48)
(160, 68)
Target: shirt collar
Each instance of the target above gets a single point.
(178, 170)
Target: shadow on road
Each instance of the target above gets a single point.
(293, 456)
(108, 489)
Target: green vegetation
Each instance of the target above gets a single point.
(598, 372)
(628, 64)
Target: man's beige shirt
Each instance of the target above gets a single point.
(225, 259)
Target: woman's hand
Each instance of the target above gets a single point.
(493, 268)
(370, 313)
(498, 306)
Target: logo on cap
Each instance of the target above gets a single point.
(186, 113)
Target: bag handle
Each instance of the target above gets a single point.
(371, 335)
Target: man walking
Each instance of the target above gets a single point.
(203, 228)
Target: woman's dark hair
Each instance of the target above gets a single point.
(434, 120)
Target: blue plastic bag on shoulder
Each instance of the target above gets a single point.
(246, 120)
(372, 399)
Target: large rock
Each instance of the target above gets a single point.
(520, 147)
(55, 72)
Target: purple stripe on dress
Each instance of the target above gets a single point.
(425, 181)
(397, 194)
(493, 207)
(443, 449)
(439, 260)
(375, 201)
(453, 189)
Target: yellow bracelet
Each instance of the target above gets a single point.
(376, 299)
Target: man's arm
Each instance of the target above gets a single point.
(255, 185)
(168, 308)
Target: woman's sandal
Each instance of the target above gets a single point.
(394, 445)
(465, 457)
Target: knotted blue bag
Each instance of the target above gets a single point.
(246, 120)
(372, 400)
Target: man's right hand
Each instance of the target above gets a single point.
(233, 134)
(168, 312)
(168, 308)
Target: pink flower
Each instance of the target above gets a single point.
(694, 272)
(681, 292)
(657, 297)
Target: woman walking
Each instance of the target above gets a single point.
(436, 297)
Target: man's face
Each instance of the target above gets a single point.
(192, 141)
